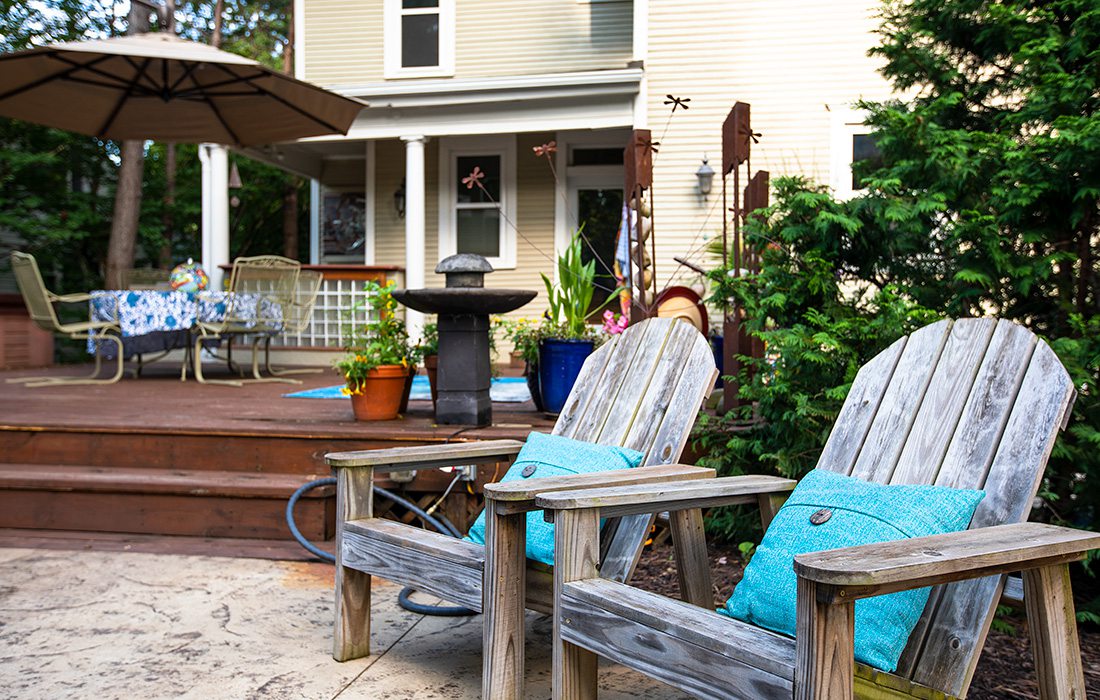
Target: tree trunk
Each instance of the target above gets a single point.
(290, 220)
(124, 224)
(219, 10)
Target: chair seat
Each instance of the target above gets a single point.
(85, 326)
(628, 626)
(433, 563)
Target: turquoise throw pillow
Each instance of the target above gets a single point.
(552, 455)
(849, 512)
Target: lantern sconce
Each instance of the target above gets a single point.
(705, 175)
(399, 200)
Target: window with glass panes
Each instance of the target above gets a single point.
(419, 33)
(478, 219)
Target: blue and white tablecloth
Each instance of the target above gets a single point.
(153, 320)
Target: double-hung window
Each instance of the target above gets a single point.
(852, 142)
(419, 38)
(475, 219)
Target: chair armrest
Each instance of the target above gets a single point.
(519, 496)
(426, 456)
(70, 298)
(887, 567)
(679, 495)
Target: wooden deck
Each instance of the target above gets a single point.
(157, 456)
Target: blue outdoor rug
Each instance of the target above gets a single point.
(503, 389)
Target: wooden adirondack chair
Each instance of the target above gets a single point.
(976, 403)
(642, 390)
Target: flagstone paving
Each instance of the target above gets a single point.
(97, 624)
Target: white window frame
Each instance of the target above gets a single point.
(450, 149)
(392, 14)
(846, 124)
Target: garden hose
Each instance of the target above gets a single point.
(439, 523)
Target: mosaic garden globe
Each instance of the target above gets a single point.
(189, 277)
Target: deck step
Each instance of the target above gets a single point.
(160, 501)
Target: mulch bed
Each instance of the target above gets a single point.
(1005, 669)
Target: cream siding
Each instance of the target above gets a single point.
(791, 60)
(343, 42)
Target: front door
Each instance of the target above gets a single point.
(596, 202)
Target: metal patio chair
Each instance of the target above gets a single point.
(40, 306)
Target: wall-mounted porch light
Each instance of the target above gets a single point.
(705, 175)
(399, 200)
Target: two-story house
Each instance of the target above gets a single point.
(457, 84)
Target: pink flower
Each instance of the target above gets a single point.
(614, 323)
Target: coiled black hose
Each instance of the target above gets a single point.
(440, 524)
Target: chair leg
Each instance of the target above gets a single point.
(196, 357)
(351, 633)
(279, 371)
(504, 601)
(1048, 598)
(824, 647)
(577, 551)
(257, 377)
(92, 378)
(692, 563)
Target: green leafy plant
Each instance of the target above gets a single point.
(524, 334)
(429, 340)
(571, 298)
(382, 340)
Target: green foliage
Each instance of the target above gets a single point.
(382, 340)
(524, 334)
(819, 324)
(570, 298)
(986, 202)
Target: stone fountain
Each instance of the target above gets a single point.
(463, 307)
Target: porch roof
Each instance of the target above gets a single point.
(601, 99)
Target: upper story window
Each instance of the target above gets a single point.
(419, 38)
(852, 142)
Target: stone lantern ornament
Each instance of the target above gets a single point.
(463, 308)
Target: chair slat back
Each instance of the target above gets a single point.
(973, 403)
(642, 389)
(262, 275)
(33, 288)
(298, 311)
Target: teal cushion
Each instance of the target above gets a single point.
(552, 455)
(859, 512)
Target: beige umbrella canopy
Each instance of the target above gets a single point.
(161, 87)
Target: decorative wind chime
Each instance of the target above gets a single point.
(737, 140)
(638, 168)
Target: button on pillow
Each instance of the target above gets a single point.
(830, 511)
(553, 455)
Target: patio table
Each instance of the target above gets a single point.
(154, 320)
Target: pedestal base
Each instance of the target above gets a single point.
(464, 371)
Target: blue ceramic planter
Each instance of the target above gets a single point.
(560, 362)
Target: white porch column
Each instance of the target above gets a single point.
(315, 205)
(215, 211)
(414, 227)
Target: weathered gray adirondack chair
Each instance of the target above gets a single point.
(642, 390)
(976, 403)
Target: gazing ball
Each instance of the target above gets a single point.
(189, 277)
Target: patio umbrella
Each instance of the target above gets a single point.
(161, 87)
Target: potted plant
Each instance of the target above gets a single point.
(376, 364)
(566, 338)
(524, 334)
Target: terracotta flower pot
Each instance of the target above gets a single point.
(407, 391)
(380, 395)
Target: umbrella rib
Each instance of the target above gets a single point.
(189, 68)
(214, 108)
(292, 106)
(42, 81)
(122, 100)
(207, 87)
(152, 83)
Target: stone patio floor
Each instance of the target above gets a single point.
(101, 624)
